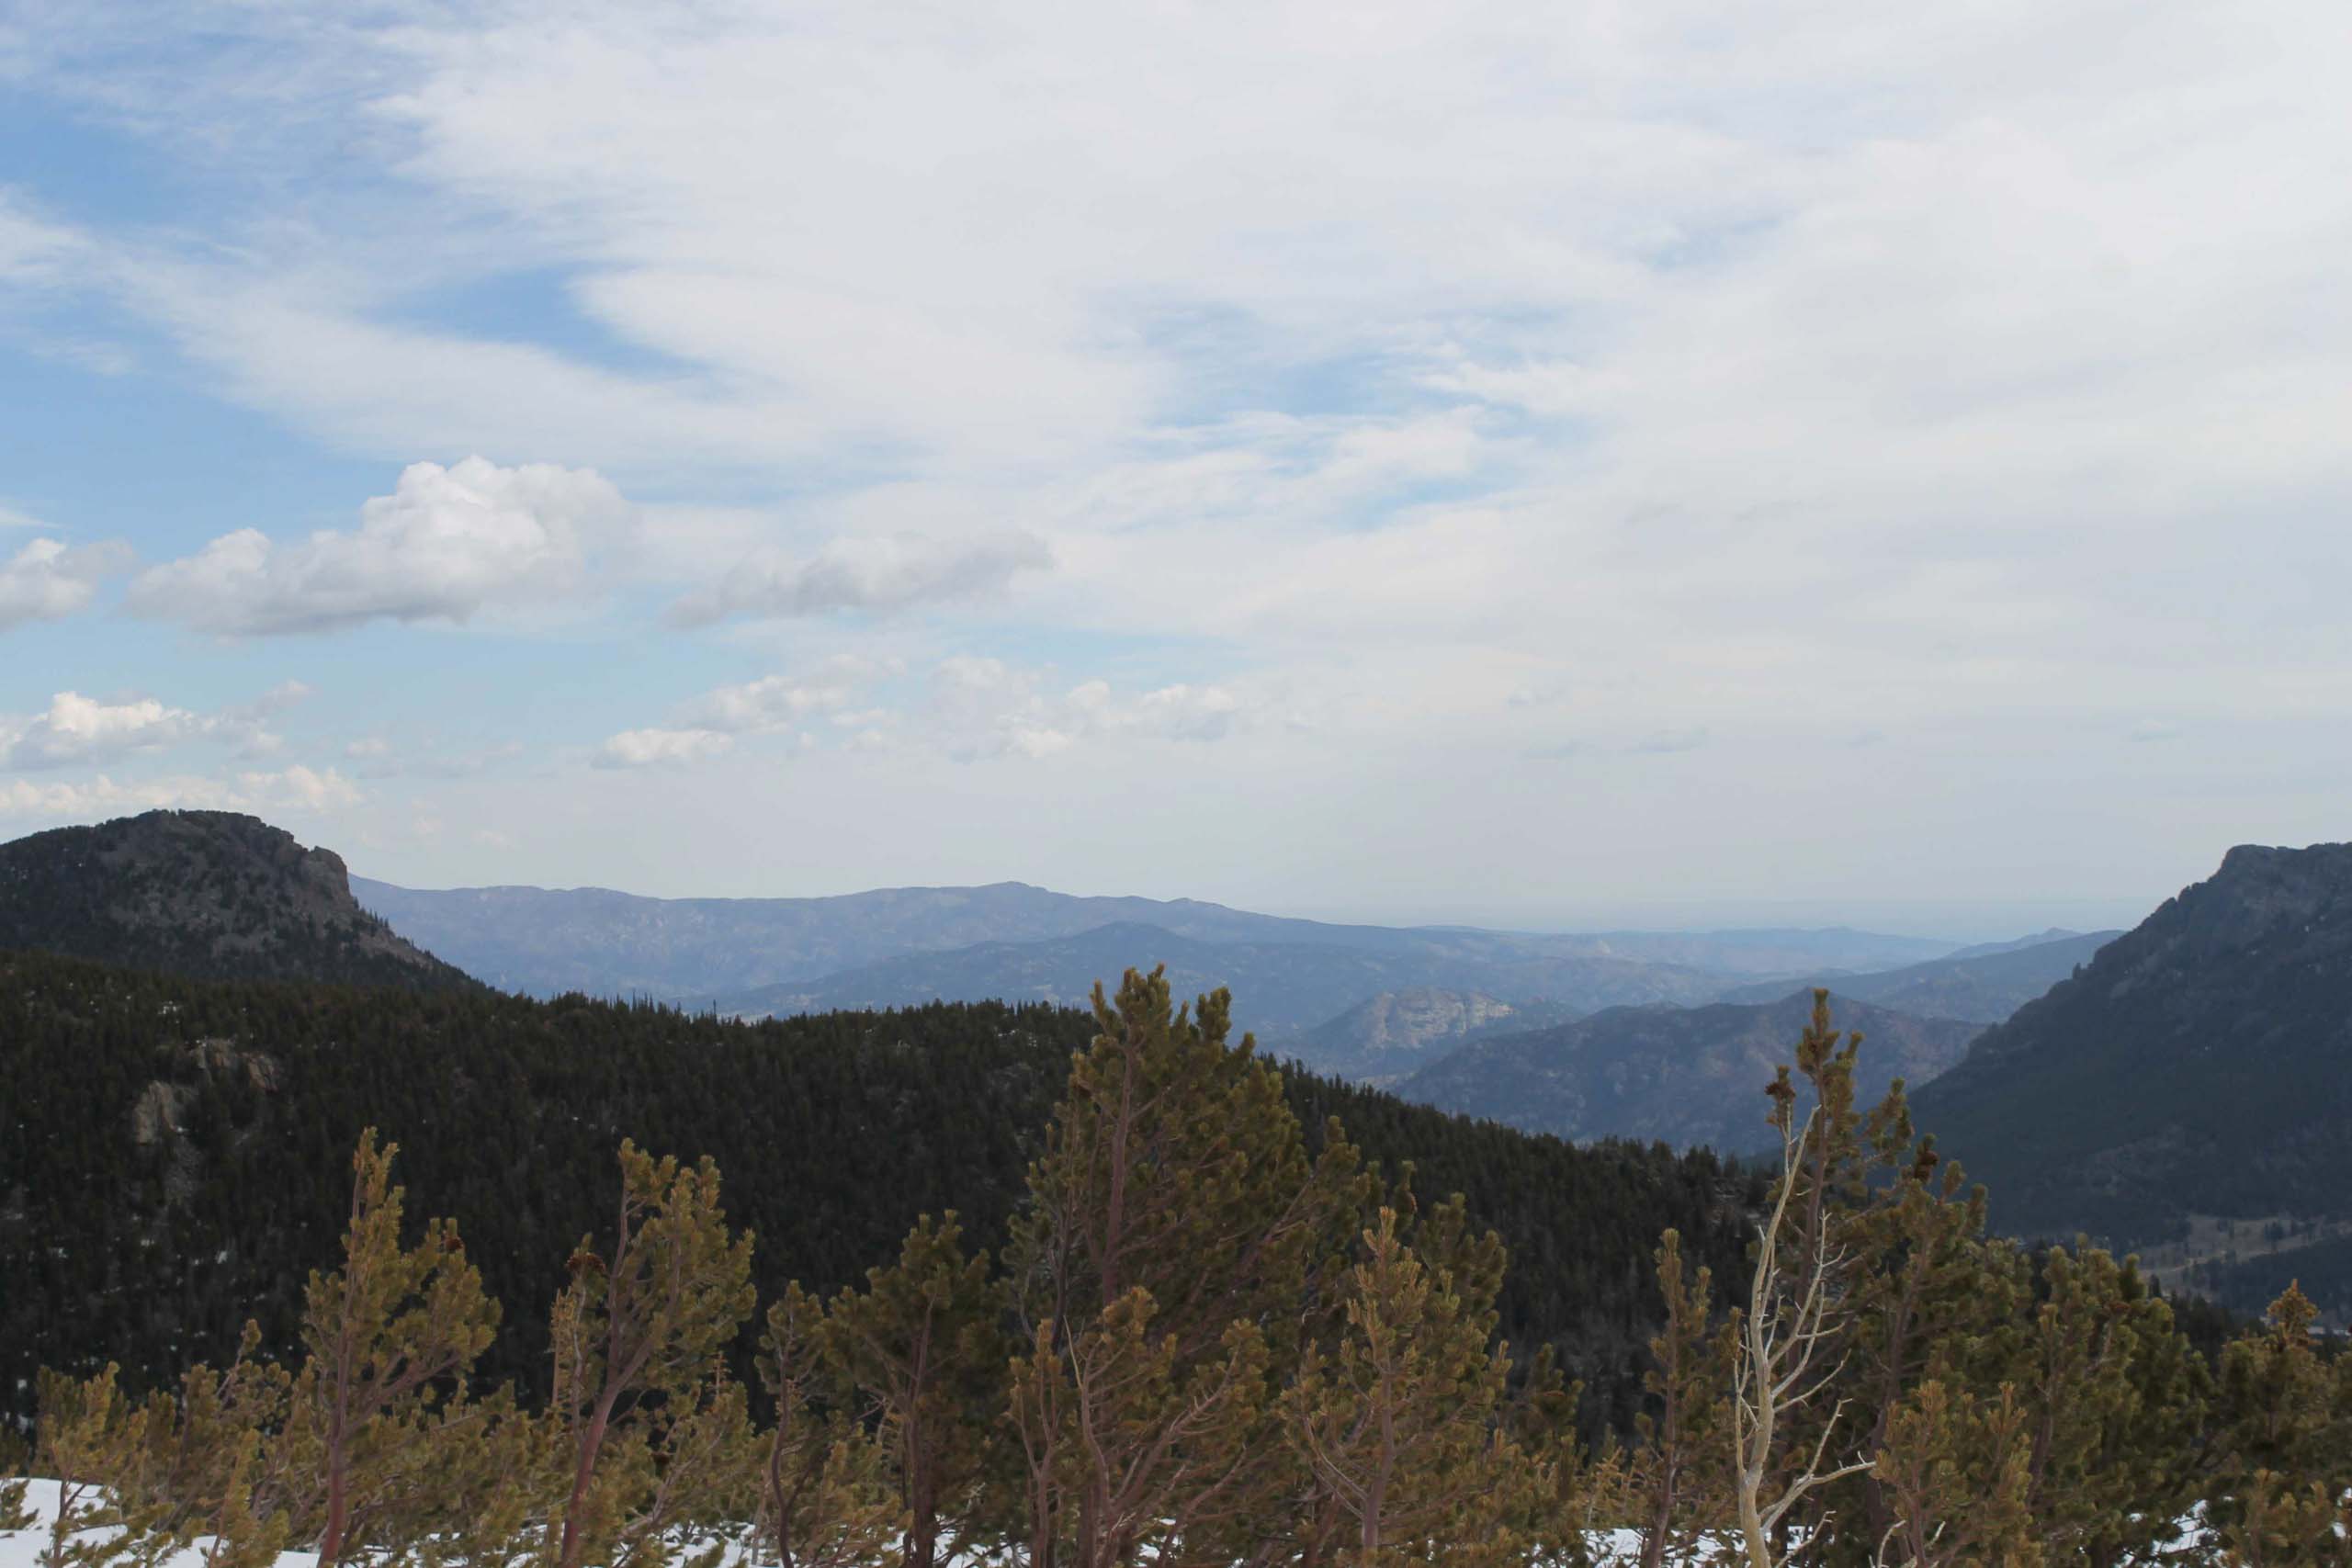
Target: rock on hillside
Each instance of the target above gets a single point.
(1390, 1036)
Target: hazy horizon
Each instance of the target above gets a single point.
(1960, 924)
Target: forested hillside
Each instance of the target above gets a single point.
(2200, 1064)
(179, 1154)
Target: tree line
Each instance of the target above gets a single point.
(1209, 1338)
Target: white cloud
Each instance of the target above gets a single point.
(75, 730)
(47, 580)
(706, 726)
(777, 702)
(445, 545)
(985, 707)
(883, 574)
(646, 747)
(296, 788)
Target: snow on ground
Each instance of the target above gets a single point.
(23, 1549)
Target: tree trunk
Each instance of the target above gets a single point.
(591, 1443)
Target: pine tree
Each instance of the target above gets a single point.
(1957, 1471)
(233, 1461)
(1399, 1422)
(1172, 1266)
(924, 1346)
(1677, 1473)
(1133, 1450)
(2285, 1444)
(635, 1338)
(103, 1449)
(383, 1334)
(825, 1498)
(495, 1468)
(2116, 1399)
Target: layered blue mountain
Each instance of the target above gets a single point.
(1686, 1075)
(1978, 985)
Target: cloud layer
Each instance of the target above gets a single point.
(889, 573)
(1649, 391)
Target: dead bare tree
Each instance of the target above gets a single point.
(1789, 1351)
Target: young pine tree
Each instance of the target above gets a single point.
(2286, 1443)
(1175, 1258)
(1678, 1473)
(1399, 1422)
(825, 1497)
(635, 1338)
(104, 1451)
(384, 1335)
(923, 1348)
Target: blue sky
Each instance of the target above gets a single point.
(1561, 465)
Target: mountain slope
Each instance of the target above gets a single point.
(1390, 1036)
(181, 1157)
(2200, 1062)
(210, 894)
(547, 941)
(1689, 1075)
(1980, 985)
(1279, 988)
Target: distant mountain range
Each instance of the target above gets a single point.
(1980, 985)
(1279, 988)
(1687, 1075)
(751, 952)
(2200, 1064)
(208, 894)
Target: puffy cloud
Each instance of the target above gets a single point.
(878, 574)
(445, 545)
(47, 578)
(76, 729)
(81, 730)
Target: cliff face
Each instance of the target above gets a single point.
(2200, 1064)
(1387, 1037)
(210, 894)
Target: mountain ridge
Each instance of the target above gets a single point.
(700, 951)
(2200, 1062)
(213, 895)
(1278, 988)
(1980, 985)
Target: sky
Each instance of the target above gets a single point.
(1541, 465)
